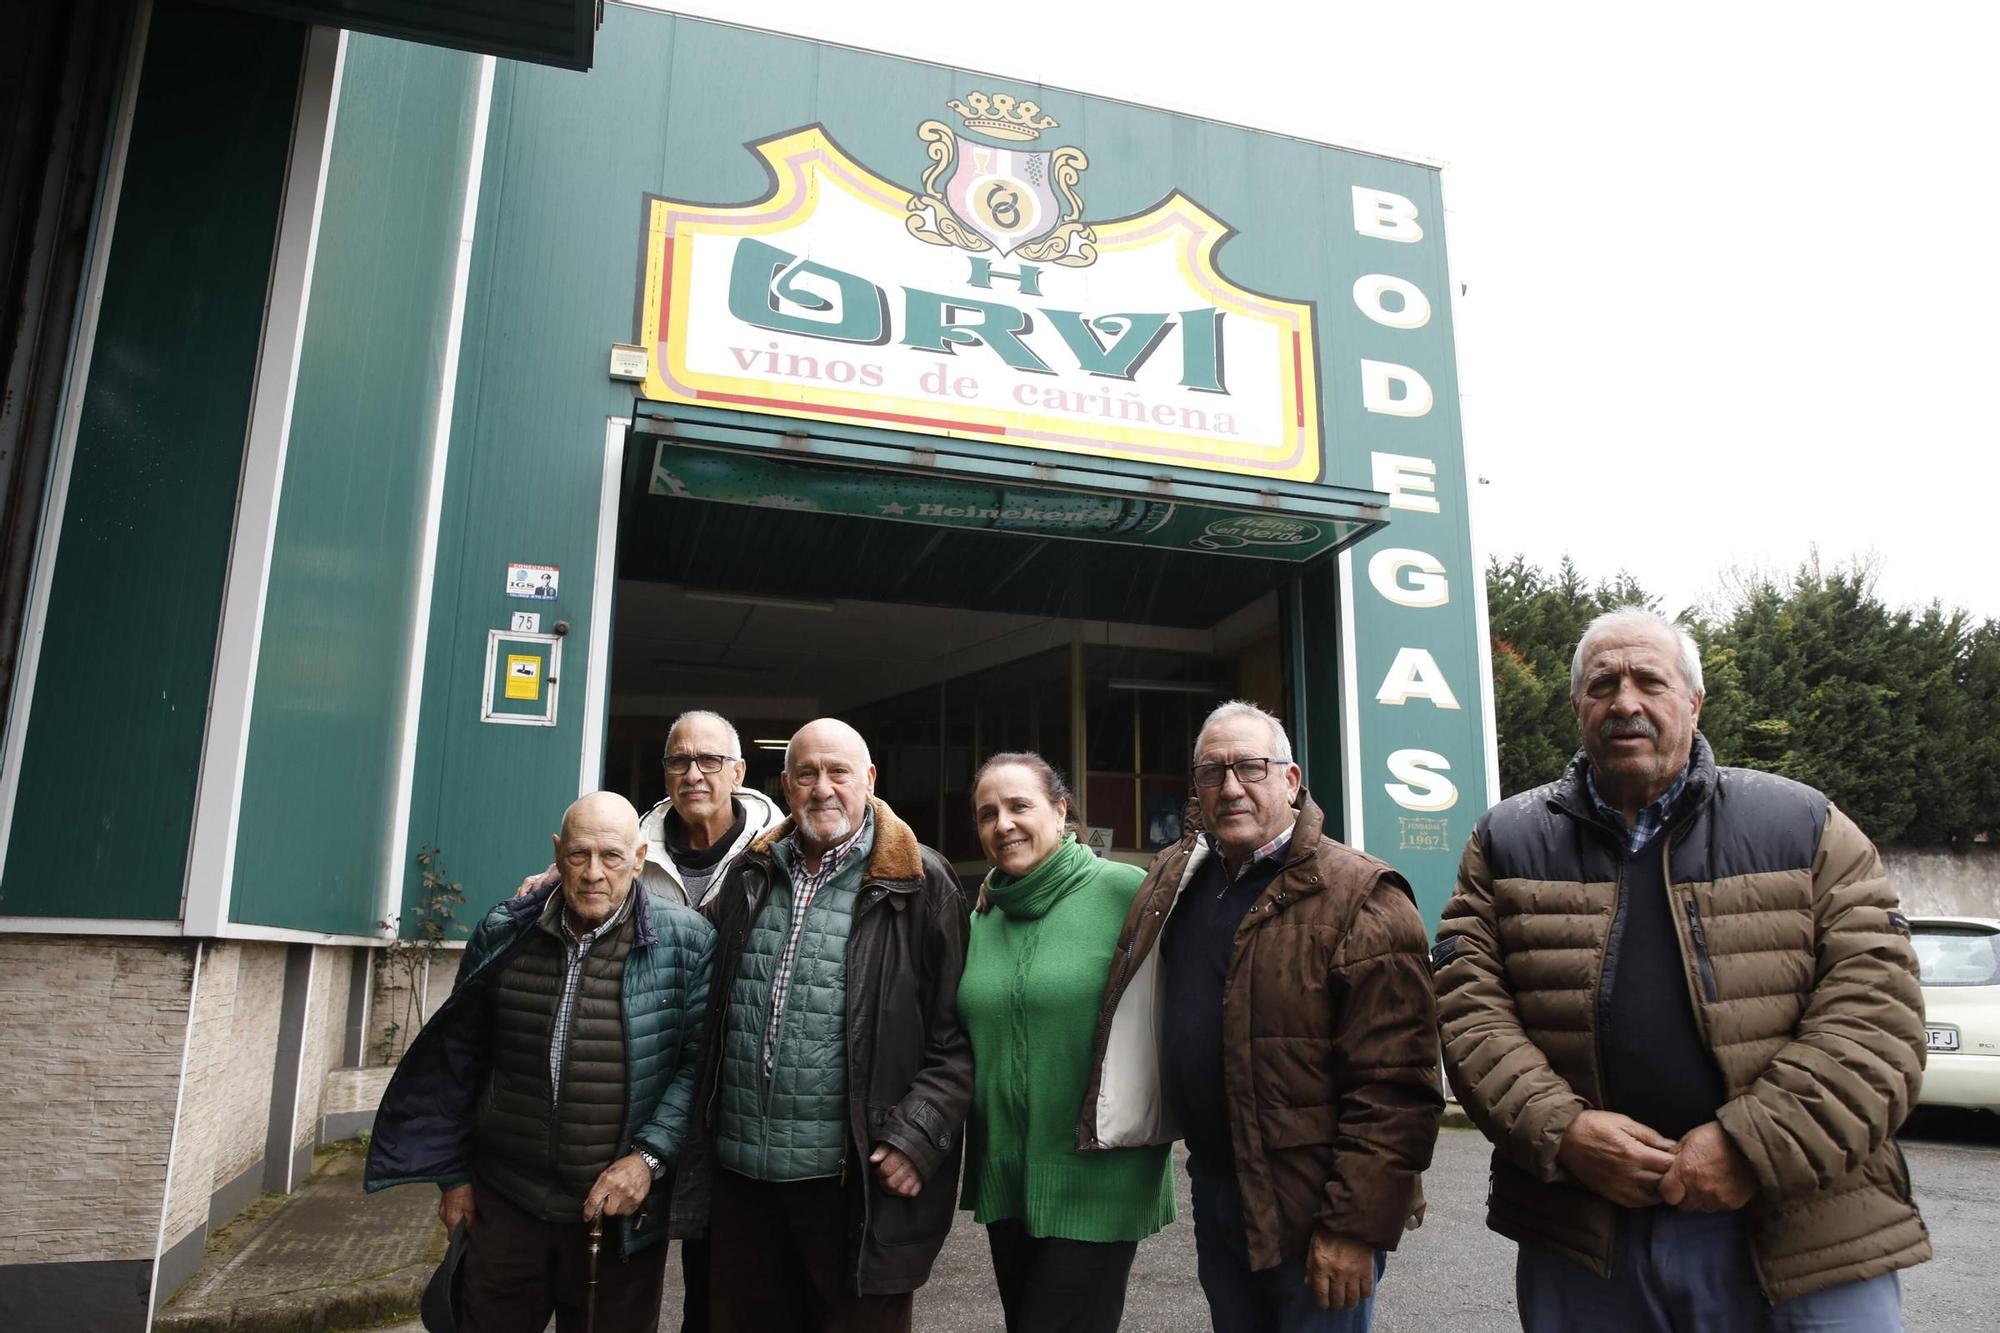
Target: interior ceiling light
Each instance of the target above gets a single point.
(1166, 686)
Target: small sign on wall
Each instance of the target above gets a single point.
(537, 582)
(1098, 840)
(524, 676)
(519, 686)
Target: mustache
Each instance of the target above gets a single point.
(1636, 725)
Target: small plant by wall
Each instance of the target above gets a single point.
(404, 965)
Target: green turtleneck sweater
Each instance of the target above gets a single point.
(1033, 986)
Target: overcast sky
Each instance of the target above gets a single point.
(1730, 278)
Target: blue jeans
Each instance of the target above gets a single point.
(1676, 1272)
(1271, 1300)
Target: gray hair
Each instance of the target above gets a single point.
(1281, 744)
(705, 715)
(1638, 617)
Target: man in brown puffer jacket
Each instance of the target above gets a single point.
(1680, 1001)
(1270, 1002)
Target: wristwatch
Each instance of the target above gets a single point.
(657, 1166)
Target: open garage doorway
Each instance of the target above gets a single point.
(1017, 622)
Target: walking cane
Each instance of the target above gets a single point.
(590, 1288)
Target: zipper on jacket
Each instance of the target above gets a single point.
(1700, 939)
(1603, 993)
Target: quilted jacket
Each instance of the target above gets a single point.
(909, 1062)
(423, 1128)
(1803, 983)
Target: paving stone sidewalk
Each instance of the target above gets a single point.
(324, 1257)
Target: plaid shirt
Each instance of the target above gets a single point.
(805, 885)
(1269, 851)
(1651, 819)
(575, 949)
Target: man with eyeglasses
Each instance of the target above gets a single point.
(709, 816)
(554, 1086)
(707, 820)
(1286, 977)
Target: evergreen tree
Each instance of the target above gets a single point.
(1895, 714)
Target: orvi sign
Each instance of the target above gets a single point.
(987, 307)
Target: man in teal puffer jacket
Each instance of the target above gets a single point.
(553, 1087)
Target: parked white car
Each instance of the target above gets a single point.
(1958, 958)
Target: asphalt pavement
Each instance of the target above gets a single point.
(1452, 1273)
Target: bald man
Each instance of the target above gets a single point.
(553, 1086)
(836, 1077)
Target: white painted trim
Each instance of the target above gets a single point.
(69, 418)
(298, 1073)
(389, 902)
(367, 1005)
(1350, 709)
(287, 935)
(113, 927)
(1481, 625)
(603, 592)
(88, 925)
(174, 1135)
(211, 862)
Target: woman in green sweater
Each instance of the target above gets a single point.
(1063, 1225)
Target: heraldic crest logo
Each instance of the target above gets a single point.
(980, 196)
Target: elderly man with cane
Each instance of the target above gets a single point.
(553, 1087)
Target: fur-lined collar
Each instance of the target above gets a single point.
(897, 853)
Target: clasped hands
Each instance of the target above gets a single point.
(1636, 1166)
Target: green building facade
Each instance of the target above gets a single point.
(435, 427)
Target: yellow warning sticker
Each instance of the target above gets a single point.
(524, 676)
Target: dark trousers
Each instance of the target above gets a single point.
(519, 1270)
(778, 1262)
(694, 1280)
(1267, 1300)
(1051, 1285)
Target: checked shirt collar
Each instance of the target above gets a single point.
(1270, 851)
(805, 885)
(1651, 819)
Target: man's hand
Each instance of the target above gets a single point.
(1709, 1173)
(620, 1190)
(533, 882)
(1616, 1157)
(1339, 1271)
(899, 1173)
(455, 1207)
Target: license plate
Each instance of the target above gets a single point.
(1940, 1039)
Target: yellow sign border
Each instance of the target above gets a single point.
(803, 162)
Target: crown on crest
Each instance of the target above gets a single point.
(1002, 117)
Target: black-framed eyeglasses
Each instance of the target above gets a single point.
(678, 764)
(1247, 771)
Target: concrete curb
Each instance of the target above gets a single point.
(363, 1304)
